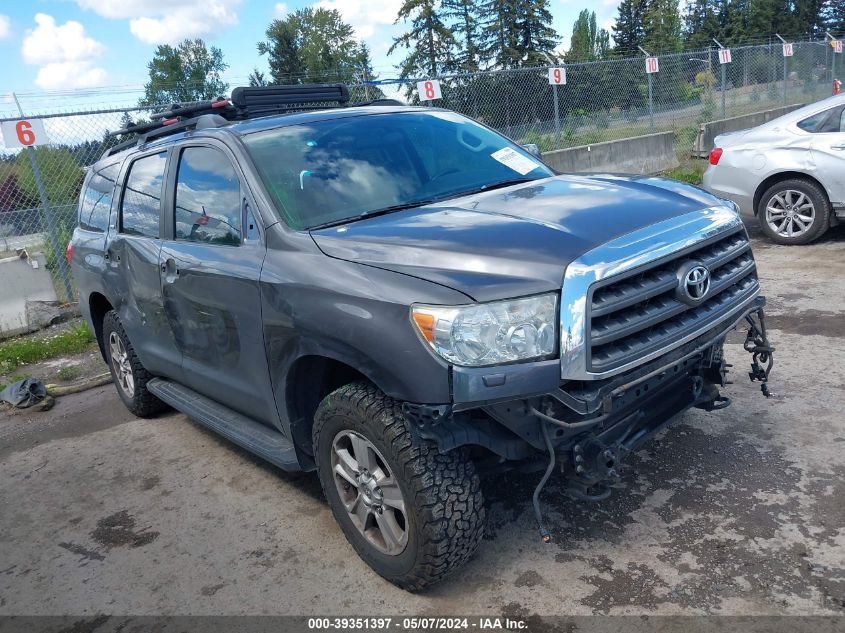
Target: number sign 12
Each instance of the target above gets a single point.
(787, 50)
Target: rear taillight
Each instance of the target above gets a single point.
(715, 155)
(69, 253)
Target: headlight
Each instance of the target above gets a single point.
(490, 333)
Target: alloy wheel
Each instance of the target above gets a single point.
(790, 213)
(370, 492)
(121, 364)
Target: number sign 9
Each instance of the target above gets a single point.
(557, 76)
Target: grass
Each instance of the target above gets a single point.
(23, 351)
(69, 373)
(690, 173)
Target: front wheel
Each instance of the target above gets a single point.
(411, 513)
(794, 211)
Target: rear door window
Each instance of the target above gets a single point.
(141, 206)
(96, 200)
(208, 198)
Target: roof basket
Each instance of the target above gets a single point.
(246, 103)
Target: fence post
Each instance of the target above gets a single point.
(49, 219)
(650, 92)
(785, 69)
(557, 117)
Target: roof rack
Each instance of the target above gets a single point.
(245, 103)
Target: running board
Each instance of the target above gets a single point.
(243, 431)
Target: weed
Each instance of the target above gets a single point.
(23, 351)
(69, 373)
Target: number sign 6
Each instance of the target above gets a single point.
(23, 133)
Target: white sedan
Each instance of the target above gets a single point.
(789, 172)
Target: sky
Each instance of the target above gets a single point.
(56, 46)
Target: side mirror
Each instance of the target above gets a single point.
(533, 149)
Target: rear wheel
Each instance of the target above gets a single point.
(128, 374)
(794, 211)
(411, 513)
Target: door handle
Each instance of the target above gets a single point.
(839, 147)
(169, 270)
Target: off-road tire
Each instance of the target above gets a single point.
(822, 207)
(442, 492)
(142, 403)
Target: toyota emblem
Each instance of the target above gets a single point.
(694, 282)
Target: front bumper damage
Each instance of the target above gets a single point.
(589, 429)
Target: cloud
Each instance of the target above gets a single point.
(281, 9)
(65, 54)
(168, 21)
(364, 15)
(5, 27)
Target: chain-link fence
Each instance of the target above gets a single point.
(599, 101)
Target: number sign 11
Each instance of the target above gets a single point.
(725, 56)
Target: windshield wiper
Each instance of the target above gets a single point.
(420, 203)
(375, 213)
(496, 185)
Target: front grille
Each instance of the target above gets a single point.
(638, 313)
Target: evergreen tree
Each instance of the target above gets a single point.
(588, 42)
(257, 78)
(518, 32)
(834, 16)
(662, 26)
(628, 30)
(467, 23)
(429, 41)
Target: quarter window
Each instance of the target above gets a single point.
(208, 198)
(141, 205)
(96, 200)
(826, 121)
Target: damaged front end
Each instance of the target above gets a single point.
(589, 429)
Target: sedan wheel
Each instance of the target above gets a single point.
(122, 365)
(790, 213)
(369, 492)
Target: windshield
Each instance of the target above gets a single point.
(339, 169)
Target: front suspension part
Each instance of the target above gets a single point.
(757, 344)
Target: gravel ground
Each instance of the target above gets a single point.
(732, 512)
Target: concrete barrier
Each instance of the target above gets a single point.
(647, 154)
(22, 280)
(707, 132)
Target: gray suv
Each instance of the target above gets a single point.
(404, 301)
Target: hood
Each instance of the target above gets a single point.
(514, 241)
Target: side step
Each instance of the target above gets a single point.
(246, 432)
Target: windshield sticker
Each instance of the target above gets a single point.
(516, 161)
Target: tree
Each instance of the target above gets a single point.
(429, 42)
(662, 27)
(257, 78)
(313, 45)
(184, 73)
(589, 43)
(628, 30)
(518, 32)
(467, 22)
(834, 16)
(282, 49)
(61, 174)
